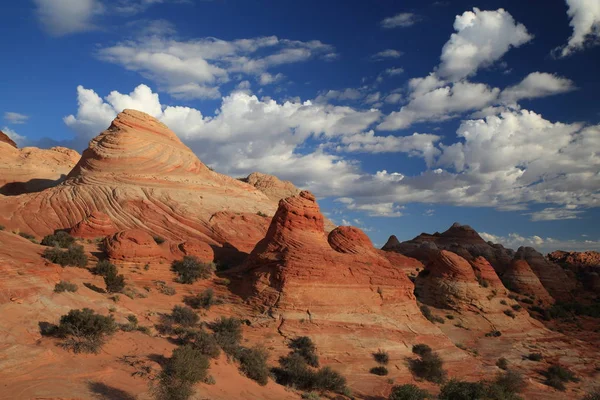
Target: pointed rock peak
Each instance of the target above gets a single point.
(5, 139)
(349, 239)
(138, 149)
(391, 243)
(459, 231)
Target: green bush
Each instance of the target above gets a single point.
(58, 239)
(205, 300)
(73, 256)
(502, 363)
(428, 367)
(203, 341)
(64, 286)
(304, 346)
(114, 283)
(186, 367)
(506, 384)
(228, 333)
(184, 316)
(535, 356)
(459, 390)
(190, 269)
(328, 379)
(295, 372)
(253, 364)
(382, 357)
(409, 392)
(421, 349)
(104, 268)
(557, 376)
(85, 331)
(380, 370)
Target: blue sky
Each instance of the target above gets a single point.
(403, 117)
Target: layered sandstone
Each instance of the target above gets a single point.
(5, 139)
(96, 225)
(575, 258)
(31, 169)
(551, 275)
(520, 277)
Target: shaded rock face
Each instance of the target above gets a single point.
(551, 275)
(520, 277)
(96, 225)
(295, 272)
(31, 170)
(140, 175)
(459, 239)
(5, 139)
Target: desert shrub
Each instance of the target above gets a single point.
(186, 367)
(304, 346)
(505, 384)
(310, 396)
(253, 364)
(526, 300)
(190, 269)
(510, 313)
(74, 256)
(409, 392)
(203, 341)
(432, 318)
(205, 300)
(516, 307)
(494, 333)
(184, 316)
(380, 370)
(421, 349)
(228, 333)
(131, 325)
(295, 372)
(513, 296)
(159, 239)
(59, 239)
(114, 283)
(85, 331)
(428, 367)
(26, 235)
(2, 227)
(557, 376)
(328, 379)
(261, 214)
(164, 288)
(482, 282)
(382, 357)
(503, 302)
(459, 390)
(535, 356)
(64, 286)
(450, 317)
(94, 287)
(104, 268)
(502, 363)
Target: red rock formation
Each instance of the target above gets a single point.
(31, 169)
(349, 240)
(273, 187)
(520, 277)
(552, 276)
(5, 139)
(486, 273)
(133, 245)
(576, 259)
(96, 225)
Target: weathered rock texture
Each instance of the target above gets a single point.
(552, 276)
(577, 259)
(5, 139)
(520, 277)
(31, 169)
(96, 225)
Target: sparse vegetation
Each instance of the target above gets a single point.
(305, 347)
(190, 269)
(114, 283)
(253, 364)
(557, 375)
(58, 239)
(104, 268)
(65, 286)
(526, 300)
(27, 236)
(429, 366)
(535, 356)
(432, 318)
(205, 300)
(595, 395)
(510, 313)
(460, 390)
(186, 367)
(494, 333)
(380, 370)
(516, 307)
(409, 392)
(382, 357)
(502, 363)
(203, 341)
(450, 317)
(84, 331)
(228, 334)
(184, 316)
(261, 214)
(482, 282)
(505, 386)
(73, 256)
(503, 302)
(159, 239)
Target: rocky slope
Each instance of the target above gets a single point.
(5, 139)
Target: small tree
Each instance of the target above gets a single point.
(184, 316)
(253, 363)
(114, 283)
(428, 367)
(186, 367)
(202, 300)
(228, 333)
(409, 392)
(304, 346)
(64, 286)
(73, 256)
(190, 269)
(380, 370)
(85, 331)
(459, 390)
(104, 268)
(421, 349)
(59, 239)
(382, 357)
(203, 341)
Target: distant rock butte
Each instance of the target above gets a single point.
(576, 259)
(30, 169)
(5, 139)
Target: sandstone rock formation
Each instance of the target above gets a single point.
(141, 175)
(552, 276)
(31, 169)
(520, 277)
(485, 273)
(273, 187)
(5, 139)
(576, 259)
(96, 225)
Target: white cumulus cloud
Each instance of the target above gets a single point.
(585, 21)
